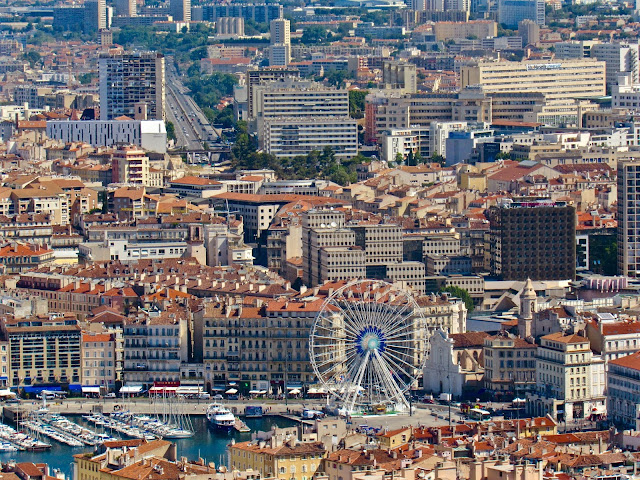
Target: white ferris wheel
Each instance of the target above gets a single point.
(364, 345)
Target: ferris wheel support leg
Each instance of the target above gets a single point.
(357, 382)
(391, 385)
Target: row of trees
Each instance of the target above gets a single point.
(316, 164)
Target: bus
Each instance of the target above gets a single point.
(479, 414)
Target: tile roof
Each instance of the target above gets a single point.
(630, 361)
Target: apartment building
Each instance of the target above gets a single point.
(155, 345)
(612, 338)
(41, 200)
(261, 349)
(280, 48)
(479, 28)
(388, 110)
(623, 391)
(314, 262)
(291, 460)
(557, 80)
(295, 117)
(533, 240)
(570, 379)
(628, 180)
(18, 257)
(509, 365)
(44, 350)
(133, 85)
(150, 135)
(258, 211)
(130, 164)
(262, 76)
(99, 360)
(625, 94)
(400, 75)
(291, 136)
(180, 10)
(512, 12)
(257, 12)
(619, 58)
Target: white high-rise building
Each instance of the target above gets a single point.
(280, 44)
(619, 58)
(280, 29)
(131, 83)
(295, 117)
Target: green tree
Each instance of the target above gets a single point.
(32, 57)
(314, 34)
(86, 78)
(357, 103)
(171, 130)
(437, 158)
(462, 294)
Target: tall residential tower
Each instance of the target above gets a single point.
(132, 84)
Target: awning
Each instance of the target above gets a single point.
(218, 388)
(93, 389)
(317, 391)
(188, 390)
(7, 393)
(254, 392)
(295, 391)
(40, 388)
(131, 389)
(75, 387)
(598, 410)
(156, 390)
(231, 391)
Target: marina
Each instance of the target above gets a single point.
(207, 443)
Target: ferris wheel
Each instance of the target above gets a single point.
(364, 344)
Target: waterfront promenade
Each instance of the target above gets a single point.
(429, 415)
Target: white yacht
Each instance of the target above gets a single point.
(220, 417)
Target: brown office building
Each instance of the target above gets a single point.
(533, 239)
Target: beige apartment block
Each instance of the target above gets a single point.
(479, 28)
(98, 360)
(558, 79)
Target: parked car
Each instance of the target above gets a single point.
(110, 395)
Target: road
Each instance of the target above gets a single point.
(191, 125)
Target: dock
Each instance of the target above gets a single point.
(240, 426)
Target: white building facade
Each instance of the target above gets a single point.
(151, 135)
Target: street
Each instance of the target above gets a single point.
(191, 125)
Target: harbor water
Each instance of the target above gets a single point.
(207, 443)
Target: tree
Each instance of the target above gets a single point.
(32, 57)
(503, 156)
(357, 103)
(171, 130)
(86, 78)
(437, 158)
(313, 34)
(462, 294)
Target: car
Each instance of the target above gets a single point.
(110, 395)
(218, 397)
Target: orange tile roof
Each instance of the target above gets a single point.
(630, 361)
(22, 250)
(98, 337)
